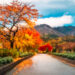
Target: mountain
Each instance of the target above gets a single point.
(67, 30)
(45, 29)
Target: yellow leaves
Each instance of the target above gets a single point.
(28, 40)
(27, 36)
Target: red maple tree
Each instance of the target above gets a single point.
(46, 47)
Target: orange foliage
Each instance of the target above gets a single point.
(16, 12)
(26, 37)
(10, 17)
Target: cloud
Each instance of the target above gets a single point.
(56, 21)
(5, 1)
(51, 8)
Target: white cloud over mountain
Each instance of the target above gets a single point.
(56, 21)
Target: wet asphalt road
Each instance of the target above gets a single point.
(42, 64)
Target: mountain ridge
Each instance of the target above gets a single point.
(45, 29)
(67, 30)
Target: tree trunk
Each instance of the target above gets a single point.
(11, 44)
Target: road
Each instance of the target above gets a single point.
(42, 64)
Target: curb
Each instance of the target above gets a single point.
(8, 67)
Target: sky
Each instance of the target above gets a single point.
(55, 12)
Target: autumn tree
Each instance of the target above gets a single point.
(13, 14)
(27, 39)
(47, 47)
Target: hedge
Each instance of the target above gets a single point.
(66, 55)
(26, 54)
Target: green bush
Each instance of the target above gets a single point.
(36, 50)
(9, 59)
(14, 53)
(66, 55)
(26, 54)
(23, 54)
(6, 60)
(31, 53)
(71, 57)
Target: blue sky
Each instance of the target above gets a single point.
(57, 9)
(62, 11)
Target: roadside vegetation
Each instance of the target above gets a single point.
(5, 60)
(63, 46)
(66, 55)
(16, 40)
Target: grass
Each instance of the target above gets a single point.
(66, 55)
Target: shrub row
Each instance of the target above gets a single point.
(5, 60)
(11, 52)
(26, 54)
(14, 53)
(66, 55)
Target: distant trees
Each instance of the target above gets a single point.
(10, 17)
(63, 44)
(69, 38)
(68, 46)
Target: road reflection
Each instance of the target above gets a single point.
(23, 65)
